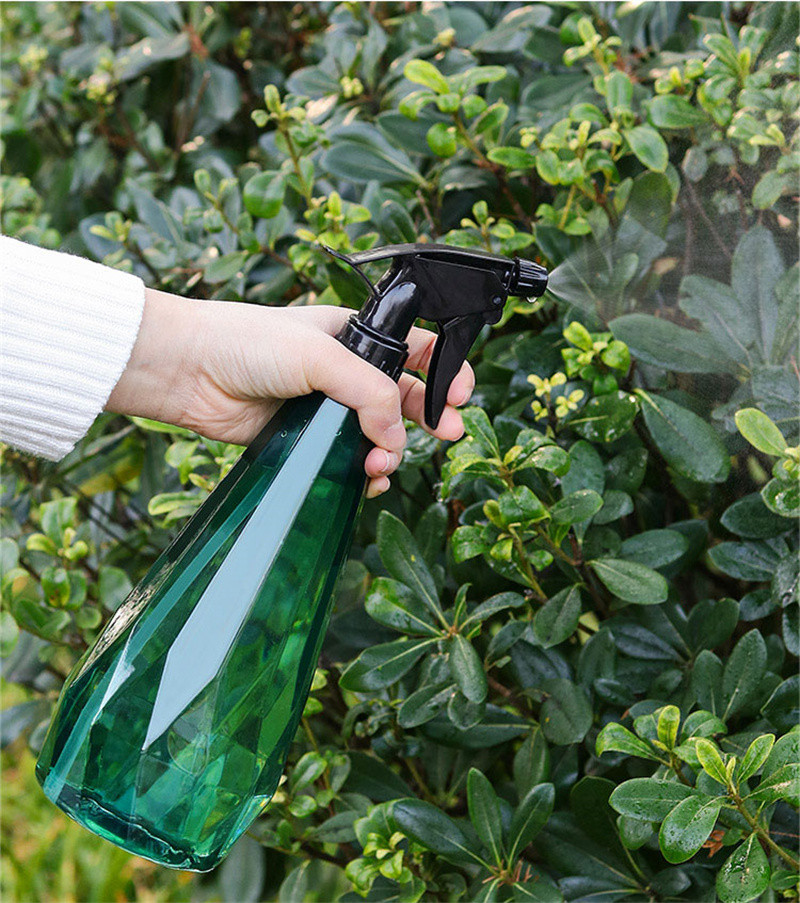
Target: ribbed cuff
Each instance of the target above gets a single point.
(67, 329)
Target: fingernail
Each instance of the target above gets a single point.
(387, 462)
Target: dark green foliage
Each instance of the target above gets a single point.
(563, 663)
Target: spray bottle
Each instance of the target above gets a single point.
(171, 733)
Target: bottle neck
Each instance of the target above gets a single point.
(382, 351)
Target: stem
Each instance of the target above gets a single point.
(763, 834)
(415, 773)
(565, 211)
(527, 570)
(556, 550)
(496, 168)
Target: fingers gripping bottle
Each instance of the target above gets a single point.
(171, 733)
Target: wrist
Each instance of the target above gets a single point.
(156, 380)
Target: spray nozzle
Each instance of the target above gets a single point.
(459, 289)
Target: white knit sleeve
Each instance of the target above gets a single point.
(67, 329)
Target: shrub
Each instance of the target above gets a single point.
(576, 676)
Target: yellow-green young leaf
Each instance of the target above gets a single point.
(668, 722)
(756, 755)
(38, 542)
(616, 738)
(760, 431)
(711, 760)
(424, 73)
(687, 827)
(578, 335)
(745, 875)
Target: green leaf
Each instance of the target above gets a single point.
(726, 317)
(402, 558)
(686, 441)
(654, 548)
(428, 826)
(631, 581)
(756, 755)
(710, 759)
(529, 818)
(380, 666)
(9, 633)
(422, 705)
(756, 269)
(769, 188)
(702, 724)
(743, 673)
(521, 506)
(782, 784)
(585, 471)
(512, 157)
(617, 738)
(619, 92)
(309, 767)
(424, 73)
(441, 139)
(746, 873)
(558, 618)
(113, 586)
(651, 799)
(760, 431)
(687, 827)
(531, 763)
(56, 516)
(359, 161)
(648, 146)
(616, 505)
(566, 714)
(671, 111)
(497, 603)
(263, 194)
(576, 507)
(484, 813)
(226, 267)
(751, 518)
(395, 605)
(782, 498)
(477, 425)
(664, 344)
(467, 669)
(606, 418)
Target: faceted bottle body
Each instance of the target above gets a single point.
(171, 733)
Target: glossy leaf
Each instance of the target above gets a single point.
(631, 581)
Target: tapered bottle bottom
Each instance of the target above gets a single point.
(130, 836)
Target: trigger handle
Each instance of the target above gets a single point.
(456, 337)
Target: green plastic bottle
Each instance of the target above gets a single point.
(171, 733)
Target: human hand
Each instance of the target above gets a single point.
(222, 369)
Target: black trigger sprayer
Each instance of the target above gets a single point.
(171, 733)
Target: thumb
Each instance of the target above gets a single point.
(352, 381)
